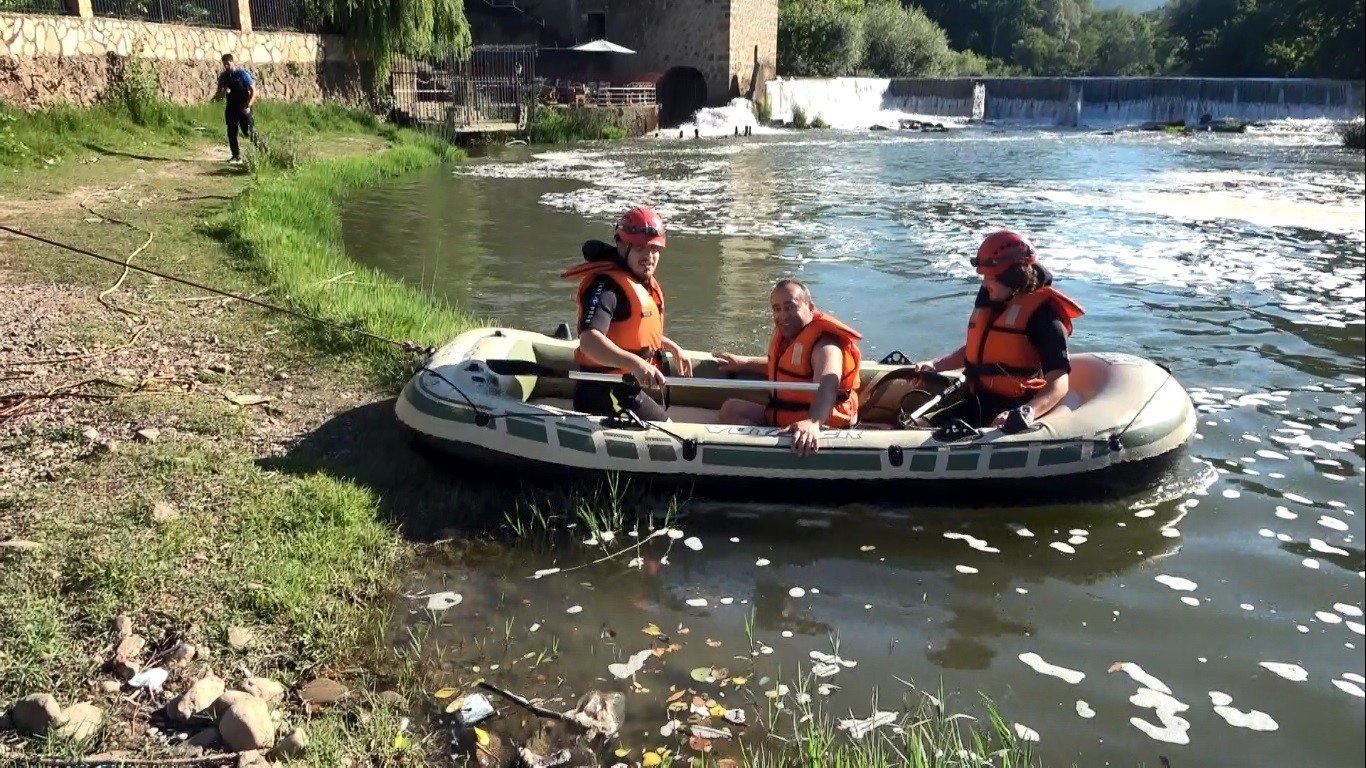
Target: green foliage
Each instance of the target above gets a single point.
(390, 27)
(819, 40)
(763, 111)
(799, 117)
(1353, 133)
(562, 125)
(903, 42)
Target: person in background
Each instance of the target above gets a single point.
(807, 346)
(1015, 359)
(621, 317)
(239, 89)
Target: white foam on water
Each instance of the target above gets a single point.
(1220, 699)
(1350, 687)
(1285, 514)
(965, 569)
(1173, 729)
(574, 609)
(693, 543)
(1145, 513)
(1310, 563)
(1354, 677)
(1077, 540)
(1230, 493)
(1025, 532)
(1292, 672)
(1285, 537)
(721, 121)
(1036, 663)
(796, 592)
(1022, 590)
(1176, 582)
(1267, 533)
(1025, 733)
(1268, 454)
(1143, 678)
(1246, 606)
(1303, 630)
(1253, 720)
(1327, 618)
(1298, 499)
(1084, 710)
(697, 602)
(726, 600)
(1063, 547)
(1191, 601)
(1357, 627)
(978, 544)
(1319, 545)
(1333, 523)
(761, 562)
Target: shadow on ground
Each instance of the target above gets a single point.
(367, 446)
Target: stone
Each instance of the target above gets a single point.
(226, 700)
(246, 725)
(163, 512)
(36, 713)
(240, 637)
(323, 691)
(130, 647)
(264, 688)
(252, 759)
(148, 434)
(6, 722)
(82, 721)
(183, 652)
(110, 686)
(294, 744)
(200, 696)
(393, 698)
(91, 434)
(123, 626)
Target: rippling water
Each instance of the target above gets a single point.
(1217, 621)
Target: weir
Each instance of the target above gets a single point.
(860, 102)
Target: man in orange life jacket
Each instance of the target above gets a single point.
(1015, 357)
(621, 317)
(807, 346)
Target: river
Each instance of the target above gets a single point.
(1234, 592)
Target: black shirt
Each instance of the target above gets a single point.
(602, 303)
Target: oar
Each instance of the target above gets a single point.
(528, 368)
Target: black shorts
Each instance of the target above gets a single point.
(596, 398)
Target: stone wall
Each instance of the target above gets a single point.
(718, 38)
(753, 45)
(45, 60)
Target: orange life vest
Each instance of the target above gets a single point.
(999, 357)
(642, 331)
(791, 361)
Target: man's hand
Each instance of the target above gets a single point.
(805, 436)
(647, 374)
(731, 362)
(684, 364)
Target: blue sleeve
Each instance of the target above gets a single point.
(247, 81)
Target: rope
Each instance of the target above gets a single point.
(1146, 403)
(405, 345)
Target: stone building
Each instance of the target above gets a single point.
(698, 52)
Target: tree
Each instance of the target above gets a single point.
(389, 27)
(903, 42)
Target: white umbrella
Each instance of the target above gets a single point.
(602, 46)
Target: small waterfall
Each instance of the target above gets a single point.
(862, 102)
(737, 116)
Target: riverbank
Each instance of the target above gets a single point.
(204, 495)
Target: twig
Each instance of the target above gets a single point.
(534, 709)
(193, 299)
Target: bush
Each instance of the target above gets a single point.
(818, 41)
(1353, 133)
(966, 64)
(903, 42)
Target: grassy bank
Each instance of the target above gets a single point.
(562, 125)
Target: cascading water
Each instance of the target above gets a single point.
(865, 102)
(735, 117)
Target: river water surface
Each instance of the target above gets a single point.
(1216, 620)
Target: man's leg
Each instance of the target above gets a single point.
(248, 126)
(231, 118)
(741, 412)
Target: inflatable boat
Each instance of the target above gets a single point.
(502, 398)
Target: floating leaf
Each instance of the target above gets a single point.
(715, 710)
(713, 643)
(700, 744)
(455, 704)
(707, 732)
(676, 695)
(867, 548)
(481, 737)
(622, 752)
(736, 716)
(652, 630)
(651, 759)
(702, 675)
(401, 741)
(739, 680)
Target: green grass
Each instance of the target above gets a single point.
(286, 230)
(298, 558)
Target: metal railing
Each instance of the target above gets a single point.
(47, 7)
(199, 13)
(278, 15)
(486, 88)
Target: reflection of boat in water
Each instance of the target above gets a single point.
(1123, 421)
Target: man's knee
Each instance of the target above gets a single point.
(736, 411)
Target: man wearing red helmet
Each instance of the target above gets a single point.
(1015, 357)
(621, 316)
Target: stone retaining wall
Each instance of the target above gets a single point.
(45, 60)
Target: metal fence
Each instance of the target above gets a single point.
(278, 15)
(54, 7)
(200, 13)
(487, 89)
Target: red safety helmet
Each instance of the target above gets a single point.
(641, 226)
(1001, 250)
